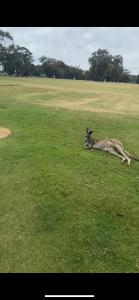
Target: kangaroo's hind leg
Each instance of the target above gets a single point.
(121, 152)
(114, 152)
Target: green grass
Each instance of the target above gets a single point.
(64, 209)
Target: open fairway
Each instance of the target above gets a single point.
(64, 209)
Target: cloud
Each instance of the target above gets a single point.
(74, 45)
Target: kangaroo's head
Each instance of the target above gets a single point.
(88, 131)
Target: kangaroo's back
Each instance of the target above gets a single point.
(106, 143)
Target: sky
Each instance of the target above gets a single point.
(74, 45)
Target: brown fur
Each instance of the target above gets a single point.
(112, 146)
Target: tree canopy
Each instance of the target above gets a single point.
(5, 40)
(106, 67)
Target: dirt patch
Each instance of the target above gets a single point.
(4, 132)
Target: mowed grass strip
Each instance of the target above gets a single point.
(64, 209)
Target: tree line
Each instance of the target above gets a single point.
(18, 61)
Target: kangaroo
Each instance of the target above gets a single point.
(113, 146)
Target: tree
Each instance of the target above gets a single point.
(48, 66)
(18, 61)
(117, 68)
(14, 59)
(86, 75)
(5, 40)
(100, 65)
(74, 72)
(23, 61)
(4, 36)
(61, 68)
(8, 61)
(104, 66)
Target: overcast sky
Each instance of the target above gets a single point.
(74, 45)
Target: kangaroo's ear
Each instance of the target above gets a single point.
(87, 129)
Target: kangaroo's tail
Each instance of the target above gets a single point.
(131, 156)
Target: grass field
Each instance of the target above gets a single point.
(64, 209)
